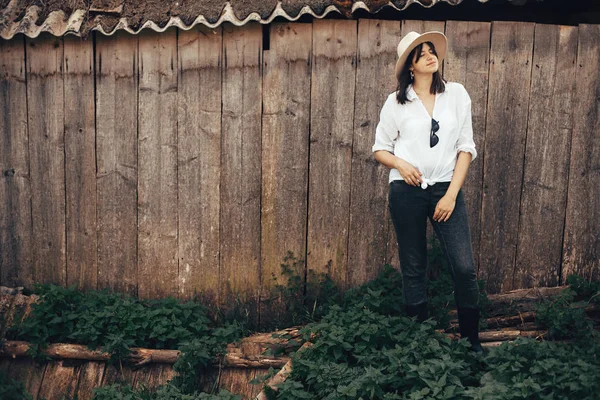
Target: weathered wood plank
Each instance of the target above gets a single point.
(151, 376)
(199, 161)
(545, 178)
(467, 62)
(90, 377)
(509, 82)
(80, 163)
(392, 246)
(285, 130)
(237, 381)
(27, 371)
(157, 163)
(241, 164)
(15, 189)
(581, 245)
(256, 389)
(118, 373)
(367, 242)
(116, 153)
(332, 115)
(168, 373)
(60, 379)
(5, 364)
(47, 157)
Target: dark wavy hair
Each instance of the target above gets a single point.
(437, 85)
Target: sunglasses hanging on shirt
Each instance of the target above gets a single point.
(433, 138)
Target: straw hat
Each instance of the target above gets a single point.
(413, 39)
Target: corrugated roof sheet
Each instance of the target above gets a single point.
(79, 17)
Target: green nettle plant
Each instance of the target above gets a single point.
(297, 298)
(562, 319)
(361, 353)
(114, 321)
(198, 356)
(118, 322)
(526, 369)
(363, 345)
(12, 390)
(584, 289)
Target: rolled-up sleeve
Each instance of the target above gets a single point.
(465, 135)
(386, 133)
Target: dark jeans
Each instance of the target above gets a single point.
(410, 207)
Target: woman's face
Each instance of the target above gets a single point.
(427, 63)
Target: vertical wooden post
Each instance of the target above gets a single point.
(199, 161)
(25, 370)
(47, 157)
(467, 62)
(117, 154)
(368, 232)
(332, 115)
(59, 381)
(90, 378)
(285, 131)
(510, 76)
(80, 163)
(15, 189)
(157, 163)
(545, 178)
(581, 248)
(241, 164)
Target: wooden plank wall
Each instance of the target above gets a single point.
(331, 122)
(80, 163)
(581, 245)
(77, 379)
(369, 227)
(199, 161)
(116, 161)
(157, 166)
(15, 189)
(46, 126)
(189, 163)
(285, 146)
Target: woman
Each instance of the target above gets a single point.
(425, 137)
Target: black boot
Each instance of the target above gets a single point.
(417, 310)
(468, 321)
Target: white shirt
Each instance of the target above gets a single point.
(404, 130)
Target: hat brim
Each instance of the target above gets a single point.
(439, 42)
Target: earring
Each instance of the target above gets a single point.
(412, 76)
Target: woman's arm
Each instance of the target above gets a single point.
(444, 207)
(466, 153)
(460, 173)
(409, 173)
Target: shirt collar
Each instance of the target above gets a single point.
(410, 92)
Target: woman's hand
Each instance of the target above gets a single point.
(444, 208)
(408, 172)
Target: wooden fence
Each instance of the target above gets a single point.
(191, 162)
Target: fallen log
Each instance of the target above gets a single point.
(502, 336)
(520, 319)
(138, 356)
(519, 300)
(280, 376)
(532, 294)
